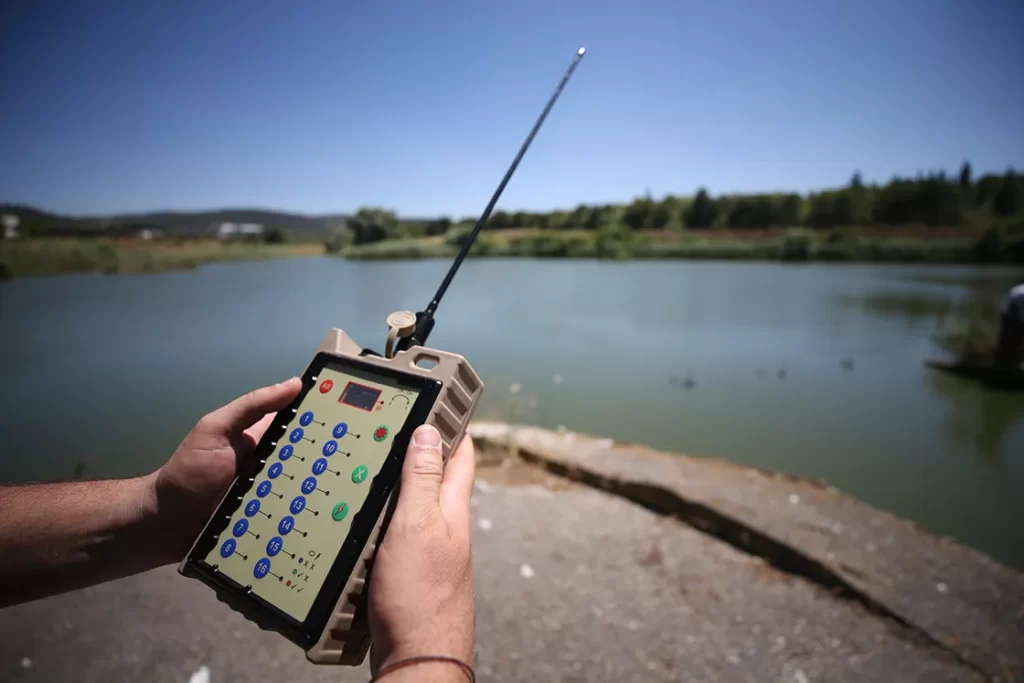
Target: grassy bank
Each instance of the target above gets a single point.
(991, 246)
(25, 257)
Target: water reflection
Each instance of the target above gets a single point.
(978, 418)
(761, 364)
(978, 278)
(962, 309)
(899, 303)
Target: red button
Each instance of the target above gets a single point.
(326, 386)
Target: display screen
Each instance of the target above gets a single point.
(290, 525)
(360, 396)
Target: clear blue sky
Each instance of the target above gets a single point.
(419, 106)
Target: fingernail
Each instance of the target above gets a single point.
(427, 435)
(292, 379)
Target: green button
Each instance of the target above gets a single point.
(359, 474)
(340, 510)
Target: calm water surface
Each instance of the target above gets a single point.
(115, 370)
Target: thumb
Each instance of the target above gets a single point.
(421, 473)
(245, 411)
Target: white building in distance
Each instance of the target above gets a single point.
(229, 230)
(10, 223)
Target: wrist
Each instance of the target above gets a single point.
(145, 498)
(161, 523)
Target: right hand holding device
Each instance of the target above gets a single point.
(421, 588)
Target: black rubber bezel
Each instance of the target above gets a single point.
(307, 633)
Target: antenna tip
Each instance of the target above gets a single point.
(579, 52)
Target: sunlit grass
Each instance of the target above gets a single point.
(621, 243)
(26, 257)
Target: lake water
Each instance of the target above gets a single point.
(114, 370)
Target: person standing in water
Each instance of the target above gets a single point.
(1010, 349)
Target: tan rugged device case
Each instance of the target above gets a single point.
(346, 639)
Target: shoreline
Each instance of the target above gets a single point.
(32, 257)
(27, 257)
(893, 568)
(793, 245)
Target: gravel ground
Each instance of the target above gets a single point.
(572, 585)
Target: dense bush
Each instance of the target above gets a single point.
(797, 245)
(372, 225)
(933, 200)
(991, 245)
(275, 236)
(850, 225)
(614, 242)
(337, 239)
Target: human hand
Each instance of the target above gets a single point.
(421, 587)
(189, 486)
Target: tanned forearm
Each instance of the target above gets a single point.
(59, 537)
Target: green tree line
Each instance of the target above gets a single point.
(932, 200)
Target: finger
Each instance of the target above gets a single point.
(421, 474)
(457, 482)
(255, 433)
(243, 412)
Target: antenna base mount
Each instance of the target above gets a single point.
(401, 324)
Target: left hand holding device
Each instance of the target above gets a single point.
(189, 486)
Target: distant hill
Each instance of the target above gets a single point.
(182, 223)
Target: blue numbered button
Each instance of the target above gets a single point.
(320, 466)
(241, 526)
(286, 452)
(340, 430)
(309, 485)
(252, 508)
(228, 549)
(286, 524)
(274, 546)
(298, 505)
(262, 567)
(296, 435)
(263, 489)
(306, 418)
(274, 471)
(330, 447)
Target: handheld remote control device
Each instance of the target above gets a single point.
(291, 544)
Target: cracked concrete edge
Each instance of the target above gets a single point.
(739, 533)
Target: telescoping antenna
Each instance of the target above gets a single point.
(425, 319)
